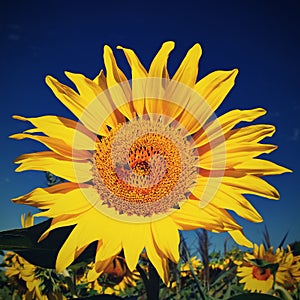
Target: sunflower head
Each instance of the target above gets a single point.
(261, 269)
(146, 157)
(194, 264)
(115, 278)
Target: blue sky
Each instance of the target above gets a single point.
(260, 38)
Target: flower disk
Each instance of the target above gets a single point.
(144, 168)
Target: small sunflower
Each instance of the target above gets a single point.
(194, 263)
(146, 158)
(115, 278)
(222, 264)
(292, 265)
(261, 278)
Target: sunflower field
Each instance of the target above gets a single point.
(263, 273)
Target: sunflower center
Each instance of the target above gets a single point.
(141, 168)
(140, 164)
(261, 273)
(116, 270)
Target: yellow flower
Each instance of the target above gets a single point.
(261, 279)
(291, 265)
(185, 269)
(147, 158)
(115, 278)
(22, 273)
(220, 264)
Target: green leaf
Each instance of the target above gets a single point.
(24, 242)
(253, 296)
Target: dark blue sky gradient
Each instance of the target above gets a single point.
(260, 38)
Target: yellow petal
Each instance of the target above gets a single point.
(133, 243)
(190, 216)
(158, 68)
(138, 86)
(27, 221)
(249, 184)
(166, 236)
(57, 145)
(237, 203)
(255, 250)
(239, 238)
(90, 113)
(56, 164)
(158, 79)
(261, 251)
(110, 247)
(163, 111)
(252, 133)
(209, 94)
(188, 70)
(112, 233)
(159, 261)
(74, 202)
(71, 132)
(178, 90)
(237, 150)
(137, 69)
(176, 100)
(84, 233)
(85, 86)
(117, 83)
(223, 124)
(92, 275)
(61, 221)
(45, 197)
(88, 89)
(260, 167)
(215, 86)
(101, 80)
(230, 154)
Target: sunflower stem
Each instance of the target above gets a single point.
(284, 294)
(71, 281)
(203, 248)
(151, 283)
(186, 253)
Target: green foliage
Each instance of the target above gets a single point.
(25, 242)
(216, 279)
(253, 296)
(6, 291)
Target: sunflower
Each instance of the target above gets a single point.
(291, 264)
(194, 264)
(146, 158)
(115, 278)
(221, 265)
(261, 278)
